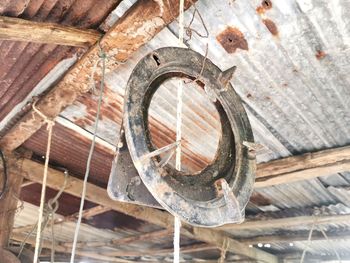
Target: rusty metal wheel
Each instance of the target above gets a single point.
(219, 193)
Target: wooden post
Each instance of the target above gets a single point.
(9, 202)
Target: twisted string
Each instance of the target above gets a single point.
(50, 123)
(49, 212)
(102, 58)
(223, 250)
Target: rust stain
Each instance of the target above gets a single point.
(260, 10)
(111, 108)
(231, 39)
(271, 26)
(259, 200)
(320, 54)
(70, 149)
(266, 4)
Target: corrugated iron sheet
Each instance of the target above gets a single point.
(70, 150)
(292, 58)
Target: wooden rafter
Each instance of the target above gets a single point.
(316, 236)
(289, 222)
(8, 203)
(33, 171)
(303, 167)
(91, 212)
(16, 29)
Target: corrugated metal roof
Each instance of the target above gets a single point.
(293, 59)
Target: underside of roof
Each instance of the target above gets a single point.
(293, 64)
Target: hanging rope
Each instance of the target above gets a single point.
(50, 123)
(223, 251)
(330, 243)
(308, 241)
(177, 222)
(49, 212)
(102, 58)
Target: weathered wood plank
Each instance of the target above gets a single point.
(293, 238)
(303, 167)
(8, 204)
(17, 29)
(135, 28)
(33, 171)
(91, 212)
(289, 222)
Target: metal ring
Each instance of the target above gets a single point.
(203, 199)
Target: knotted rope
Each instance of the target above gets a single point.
(50, 123)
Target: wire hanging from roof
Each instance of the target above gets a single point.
(102, 58)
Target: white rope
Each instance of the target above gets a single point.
(177, 222)
(331, 244)
(50, 124)
(88, 163)
(308, 241)
(223, 251)
(177, 228)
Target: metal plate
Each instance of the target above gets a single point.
(125, 184)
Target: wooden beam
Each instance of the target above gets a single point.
(316, 236)
(303, 167)
(33, 171)
(16, 29)
(9, 202)
(135, 28)
(89, 213)
(288, 222)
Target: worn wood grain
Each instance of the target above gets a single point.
(288, 222)
(303, 167)
(9, 202)
(16, 29)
